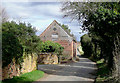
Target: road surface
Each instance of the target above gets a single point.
(82, 71)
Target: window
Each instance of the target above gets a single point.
(54, 29)
(54, 36)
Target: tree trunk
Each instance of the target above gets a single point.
(116, 60)
(115, 68)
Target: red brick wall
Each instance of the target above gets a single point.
(68, 47)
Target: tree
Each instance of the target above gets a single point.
(102, 22)
(105, 24)
(11, 47)
(3, 14)
(66, 28)
(78, 10)
(87, 45)
(18, 38)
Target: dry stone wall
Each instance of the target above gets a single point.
(13, 69)
(47, 58)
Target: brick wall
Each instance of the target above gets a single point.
(68, 47)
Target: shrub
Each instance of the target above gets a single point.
(49, 46)
(16, 39)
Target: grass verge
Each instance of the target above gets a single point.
(103, 72)
(26, 78)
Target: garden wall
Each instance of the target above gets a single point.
(47, 58)
(13, 69)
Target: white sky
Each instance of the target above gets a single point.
(40, 15)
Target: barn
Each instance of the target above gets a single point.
(54, 32)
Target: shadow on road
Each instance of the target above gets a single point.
(84, 69)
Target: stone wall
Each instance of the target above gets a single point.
(13, 69)
(47, 58)
(29, 64)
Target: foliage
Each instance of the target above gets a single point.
(102, 72)
(105, 24)
(19, 38)
(81, 50)
(78, 10)
(16, 39)
(9, 49)
(66, 28)
(26, 78)
(49, 46)
(87, 45)
(3, 14)
(102, 21)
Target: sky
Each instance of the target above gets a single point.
(41, 15)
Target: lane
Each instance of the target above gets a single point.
(76, 71)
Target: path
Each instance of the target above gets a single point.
(82, 71)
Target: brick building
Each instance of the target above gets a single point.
(54, 32)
